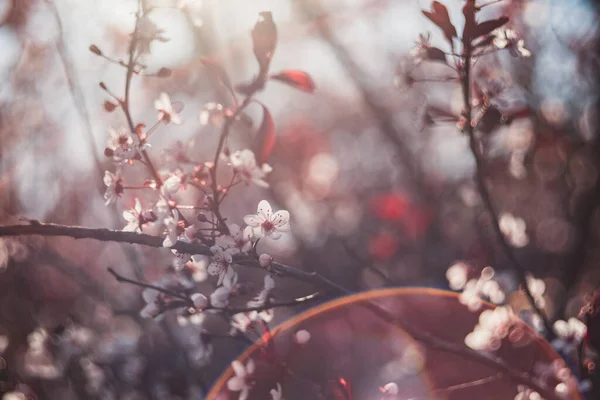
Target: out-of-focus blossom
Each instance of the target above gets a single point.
(147, 31)
(457, 276)
(212, 113)
(244, 163)
(570, 333)
(241, 322)
(277, 393)
(494, 325)
(241, 381)
(475, 289)
(165, 110)
(508, 39)
(170, 186)
(172, 228)
(389, 389)
(134, 217)
(200, 301)
(121, 146)
(114, 187)
(220, 297)
(302, 337)
(524, 393)
(265, 223)
(265, 260)
(237, 241)
(263, 296)
(537, 288)
(513, 229)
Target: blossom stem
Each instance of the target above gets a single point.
(171, 293)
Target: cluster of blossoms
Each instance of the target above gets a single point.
(474, 290)
(514, 229)
(494, 326)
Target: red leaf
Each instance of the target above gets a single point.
(298, 79)
(439, 16)
(218, 71)
(488, 26)
(264, 39)
(265, 137)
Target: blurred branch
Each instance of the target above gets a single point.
(484, 191)
(37, 228)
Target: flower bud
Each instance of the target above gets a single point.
(200, 301)
(94, 49)
(265, 260)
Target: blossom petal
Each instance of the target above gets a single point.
(250, 367)
(254, 220)
(238, 368)
(264, 209)
(215, 268)
(235, 384)
(280, 218)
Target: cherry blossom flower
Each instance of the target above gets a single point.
(170, 186)
(120, 146)
(389, 389)
(421, 49)
(241, 381)
(524, 393)
(570, 333)
(200, 301)
(494, 325)
(220, 297)
(267, 223)
(261, 299)
(475, 289)
(165, 110)
(265, 260)
(537, 287)
(212, 113)
(244, 163)
(241, 322)
(114, 187)
(172, 227)
(277, 393)
(221, 264)
(237, 241)
(134, 217)
(457, 276)
(508, 39)
(513, 229)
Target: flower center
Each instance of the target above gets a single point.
(268, 226)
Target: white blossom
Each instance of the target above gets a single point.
(524, 393)
(114, 187)
(513, 229)
(494, 325)
(265, 260)
(244, 163)
(212, 113)
(121, 145)
(420, 51)
(267, 223)
(390, 389)
(237, 241)
(200, 301)
(221, 264)
(508, 39)
(241, 382)
(133, 217)
(277, 393)
(220, 297)
(165, 110)
(170, 186)
(172, 227)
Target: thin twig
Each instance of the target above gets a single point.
(485, 193)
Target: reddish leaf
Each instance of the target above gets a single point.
(298, 79)
(435, 54)
(264, 39)
(109, 106)
(218, 71)
(265, 137)
(439, 16)
(488, 26)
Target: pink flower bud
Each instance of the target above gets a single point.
(265, 260)
(200, 301)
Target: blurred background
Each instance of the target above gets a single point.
(372, 167)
